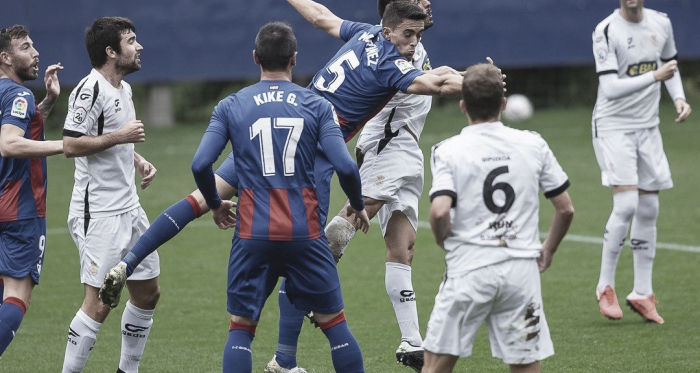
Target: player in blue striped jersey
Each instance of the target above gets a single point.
(276, 129)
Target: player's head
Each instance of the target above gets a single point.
(275, 47)
(113, 40)
(631, 5)
(482, 93)
(403, 26)
(17, 54)
(424, 4)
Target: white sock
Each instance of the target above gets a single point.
(136, 325)
(339, 232)
(624, 205)
(643, 242)
(82, 334)
(400, 290)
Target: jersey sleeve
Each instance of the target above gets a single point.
(349, 28)
(397, 72)
(328, 120)
(443, 179)
(16, 108)
(553, 179)
(669, 51)
(84, 110)
(604, 51)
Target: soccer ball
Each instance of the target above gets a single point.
(518, 108)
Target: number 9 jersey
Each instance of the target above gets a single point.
(494, 174)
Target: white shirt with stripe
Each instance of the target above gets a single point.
(104, 182)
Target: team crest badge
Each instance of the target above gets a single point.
(403, 65)
(19, 108)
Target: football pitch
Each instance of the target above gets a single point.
(191, 322)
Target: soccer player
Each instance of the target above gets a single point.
(23, 153)
(276, 128)
(634, 52)
(484, 214)
(105, 218)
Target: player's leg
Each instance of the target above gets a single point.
(654, 175)
(341, 228)
(617, 158)
(22, 245)
(18, 295)
(439, 363)
(345, 351)
(238, 357)
(136, 322)
(82, 331)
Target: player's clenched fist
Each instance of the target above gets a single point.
(132, 132)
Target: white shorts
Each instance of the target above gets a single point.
(633, 158)
(393, 174)
(106, 241)
(508, 298)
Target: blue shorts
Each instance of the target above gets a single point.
(22, 244)
(227, 171)
(256, 265)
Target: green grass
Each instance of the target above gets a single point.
(191, 322)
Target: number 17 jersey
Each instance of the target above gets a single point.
(494, 174)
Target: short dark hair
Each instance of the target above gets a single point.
(105, 32)
(397, 12)
(275, 45)
(482, 91)
(9, 33)
(381, 5)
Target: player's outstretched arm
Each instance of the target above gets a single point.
(319, 16)
(13, 144)
(440, 218)
(563, 215)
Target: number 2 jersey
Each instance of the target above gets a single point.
(104, 182)
(23, 181)
(494, 174)
(275, 128)
(363, 76)
(631, 49)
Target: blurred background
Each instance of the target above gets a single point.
(196, 53)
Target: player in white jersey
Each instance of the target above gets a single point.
(105, 217)
(634, 51)
(484, 213)
(392, 190)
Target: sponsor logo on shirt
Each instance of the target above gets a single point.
(23, 94)
(403, 65)
(641, 68)
(19, 108)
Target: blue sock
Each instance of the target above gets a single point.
(345, 352)
(291, 320)
(166, 226)
(238, 357)
(11, 315)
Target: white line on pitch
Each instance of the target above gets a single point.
(597, 241)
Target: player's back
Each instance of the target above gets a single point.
(275, 127)
(363, 76)
(497, 172)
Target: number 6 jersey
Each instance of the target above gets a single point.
(494, 174)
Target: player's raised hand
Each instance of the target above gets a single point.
(503, 76)
(683, 109)
(53, 88)
(666, 71)
(132, 132)
(224, 216)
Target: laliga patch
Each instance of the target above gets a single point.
(19, 108)
(403, 65)
(79, 115)
(602, 54)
